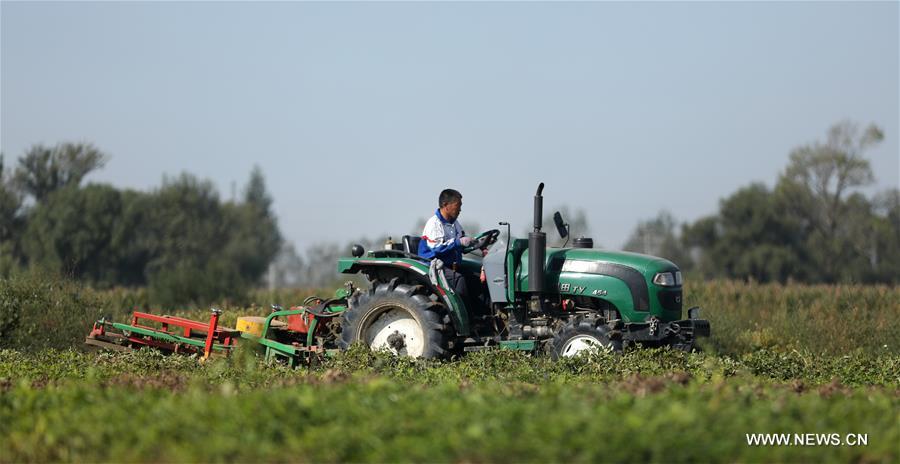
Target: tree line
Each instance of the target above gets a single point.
(185, 244)
(816, 225)
(180, 240)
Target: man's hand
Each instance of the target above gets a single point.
(465, 241)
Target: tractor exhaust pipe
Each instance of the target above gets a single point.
(539, 208)
(537, 245)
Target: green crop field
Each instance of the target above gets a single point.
(797, 360)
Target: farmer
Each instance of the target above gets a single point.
(444, 238)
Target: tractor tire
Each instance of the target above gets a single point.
(399, 318)
(581, 336)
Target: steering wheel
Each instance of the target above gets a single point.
(482, 240)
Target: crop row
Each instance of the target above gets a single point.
(500, 406)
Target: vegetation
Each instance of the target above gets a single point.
(180, 241)
(814, 226)
(39, 311)
(784, 357)
(186, 246)
(491, 406)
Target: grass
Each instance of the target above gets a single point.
(782, 359)
(500, 406)
(838, 319)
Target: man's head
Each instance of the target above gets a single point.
(450, 204)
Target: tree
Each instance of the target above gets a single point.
(11, 223)
(751, 237)
(658, 237)
(815, 226)
(10, 204)
(44, 170)
(885, 255)
(254, 236)
(287, 269)
(815, 186)
(184, 230)
(180, 240)
(71, 232)
(200, 250)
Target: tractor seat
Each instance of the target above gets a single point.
(411, 244)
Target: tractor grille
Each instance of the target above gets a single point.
(670, 300)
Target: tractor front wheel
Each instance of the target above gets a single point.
(582, 336)
(398, 318)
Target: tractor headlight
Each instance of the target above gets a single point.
(667, 279)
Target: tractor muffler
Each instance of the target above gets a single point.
(537, 246)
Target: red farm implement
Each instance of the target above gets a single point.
(294, 336)
(169, 334)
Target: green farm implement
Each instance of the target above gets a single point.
(560, 301)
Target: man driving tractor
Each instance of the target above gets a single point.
(444, 238)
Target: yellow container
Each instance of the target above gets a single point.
(254, 324)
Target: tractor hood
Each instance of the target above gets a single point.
(577, 260)
(646, 264)
(622, 278)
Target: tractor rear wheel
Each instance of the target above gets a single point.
(582, 336)
(398, 318)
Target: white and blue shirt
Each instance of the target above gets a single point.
(440, 239)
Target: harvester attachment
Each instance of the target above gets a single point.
(169, 334)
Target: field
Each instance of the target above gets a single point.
(782, 359)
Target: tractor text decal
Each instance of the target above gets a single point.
(571, 288)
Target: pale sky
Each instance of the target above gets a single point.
(360, 113)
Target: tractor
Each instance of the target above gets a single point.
(558, 300)
(561, 301)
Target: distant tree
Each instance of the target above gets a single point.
(43, 170)
(180, 241)
(254, 236)
(129, 239)
(11, 223)
(320, 268)
(815, 186)
(198, 249)
(255, 192)
(184, 231)
(885, 252)
(287, 269)
(815, 226)
(10, 204)
(659, 237)
(320, 262)
(71, 232)
(698, 240)
(751, 237)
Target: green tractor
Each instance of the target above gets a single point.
(564, 301)
(558, 300)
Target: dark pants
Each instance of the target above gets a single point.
(468, 288)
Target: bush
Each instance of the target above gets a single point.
(38, 312)
(832, 319)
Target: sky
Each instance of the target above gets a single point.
(359, 114)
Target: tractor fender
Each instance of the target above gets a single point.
(386, 270)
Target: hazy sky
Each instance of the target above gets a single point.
(360, 113)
